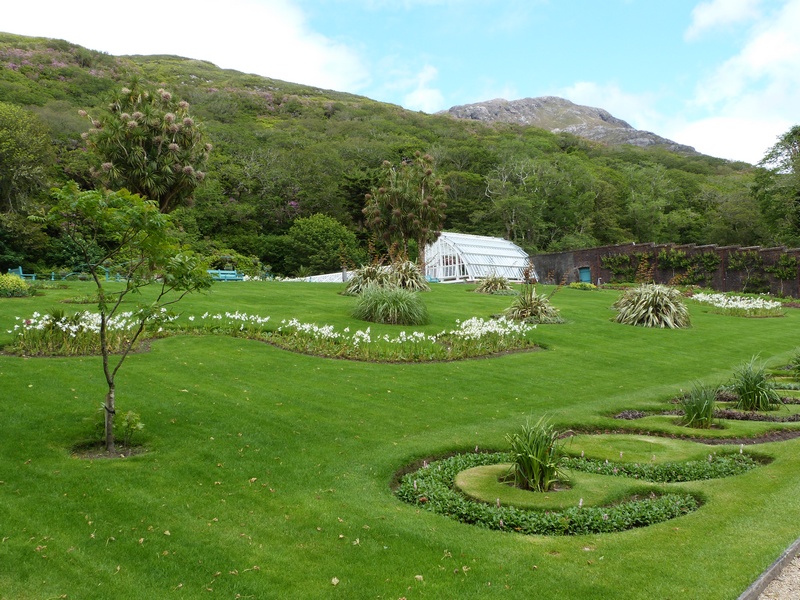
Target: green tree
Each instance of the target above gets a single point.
(128, 233)
(778, 188)
(321, 244)
(25, 155)
(409, 206)
(147, 142)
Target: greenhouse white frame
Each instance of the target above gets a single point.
(464, 257)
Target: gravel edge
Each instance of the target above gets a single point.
(773, 571)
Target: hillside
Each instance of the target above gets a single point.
(284, 151)
(560, 115)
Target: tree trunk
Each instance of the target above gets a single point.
(109, 414)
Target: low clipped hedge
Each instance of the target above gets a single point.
(716, 466)
(433, 488)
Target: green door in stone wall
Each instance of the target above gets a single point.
(585, 274)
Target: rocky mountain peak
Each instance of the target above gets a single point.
(559, 114)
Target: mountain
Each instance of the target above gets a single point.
(284, 151)
(560, 115)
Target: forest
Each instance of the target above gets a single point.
(286, 169)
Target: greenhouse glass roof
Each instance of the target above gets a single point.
(465, 257)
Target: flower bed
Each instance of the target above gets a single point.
(741, 306)
(433, 488)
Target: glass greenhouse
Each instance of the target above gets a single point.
(464, 257)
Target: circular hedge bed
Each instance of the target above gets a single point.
(433, 488)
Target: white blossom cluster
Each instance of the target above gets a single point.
(476, 328)
(82, 322)
(737, 302)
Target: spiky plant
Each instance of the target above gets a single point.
(652, 305)
(390, 305)
(698, 406)
(495, 284)
(753, 388)
(367, 275)
(407, 275)
(537, 455)
(531, 307)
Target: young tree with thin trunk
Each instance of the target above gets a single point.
(126, 235)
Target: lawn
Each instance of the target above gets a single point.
(268, 474)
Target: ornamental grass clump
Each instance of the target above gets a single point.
(365, 276)
(533, 308)
(496, 285)
(652, 305)
(390, 305)
(753, 388)
(537, 456)
(698, 406)
(407, 275)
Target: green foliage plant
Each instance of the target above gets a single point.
(531, 307)
(537, 454)
(390, 305)
(784, 269)
(25, 155)
(714, 467)
(652, 305)
(754, 389)
(496, 285)
(14, 286)
(373, 274)
(619, 265)
(148, 142)
(698, 406)
(582, 285)
(127, 232)
(407, 275)
(408, 206)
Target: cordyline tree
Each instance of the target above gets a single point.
(128, 235)
(147, 142)
(408, 205)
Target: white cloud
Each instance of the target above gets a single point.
(425, 97)
(762, 79)
(719, 14)
(746, 139)
(266, 37)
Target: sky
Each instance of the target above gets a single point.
(722, 76)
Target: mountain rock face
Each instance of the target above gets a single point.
(557, 115)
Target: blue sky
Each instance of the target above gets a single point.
(720, 75)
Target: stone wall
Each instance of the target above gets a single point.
(723, 268)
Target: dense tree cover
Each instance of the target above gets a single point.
(24, 157)
(284, 152)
